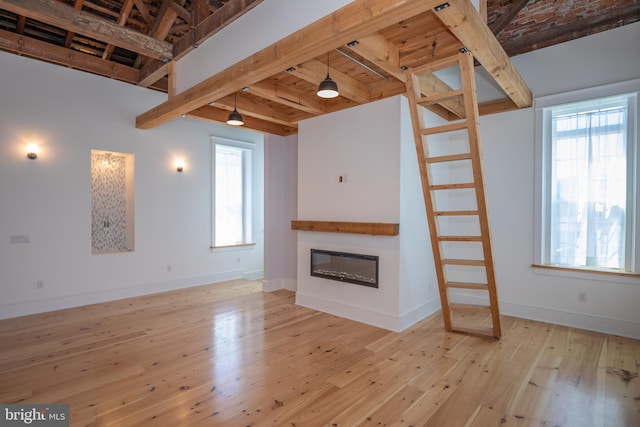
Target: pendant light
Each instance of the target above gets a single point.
(235, 119)
(328, 88)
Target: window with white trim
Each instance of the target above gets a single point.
(232, 192)
(588, 154)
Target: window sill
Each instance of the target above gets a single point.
(586, 274)
(237, 245)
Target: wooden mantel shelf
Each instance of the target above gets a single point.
(374, 228)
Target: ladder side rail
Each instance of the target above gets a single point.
(471, 109)
(417, 122)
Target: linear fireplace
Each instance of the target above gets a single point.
(345, 267)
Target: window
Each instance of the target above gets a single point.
(232, 192)
(589, 184)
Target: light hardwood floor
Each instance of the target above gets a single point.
(230, 355)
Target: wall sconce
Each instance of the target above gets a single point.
(179, 165)
(32, 151)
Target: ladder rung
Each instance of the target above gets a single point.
(453, 186)
(478, 330)
(460, 238)
(474, 262)
(455, 213)
(467, 285)
(470, 307)
(436, 98)
(445, 128)
(449, 158)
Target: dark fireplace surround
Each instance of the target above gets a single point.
(345, 267)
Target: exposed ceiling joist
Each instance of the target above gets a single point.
(63, 16)
(259, 110)
(389, 37)
(358, 18)
(385, 55)
(59, 55)
(220, 115)
(315, 71)
(288, 97)
(127, 7)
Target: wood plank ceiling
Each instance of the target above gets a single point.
(138, 41)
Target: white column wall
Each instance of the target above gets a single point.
(281, 186)
(373, 148)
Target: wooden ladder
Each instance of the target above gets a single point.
(476, 262)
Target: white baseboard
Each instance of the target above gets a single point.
(589, 322)
(575, 320)
(60, 303)
(278, 284)
(359, 314)
(253, 275)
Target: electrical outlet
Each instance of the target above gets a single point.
(582, 296)
(18, 239)
(39, 284)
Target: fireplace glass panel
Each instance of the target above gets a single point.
(345, 267)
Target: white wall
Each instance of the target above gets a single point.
(68, 113)
(508, 141)
(281, 186)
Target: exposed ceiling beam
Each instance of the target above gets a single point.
(378, 50)
(288, 97)
(165, 18)
(122, 20)
(61, 15)
(496, 106)
(430, 84)
(152, 71)
(381, 52)
(182, 12)
(199, 11)
(465, 23)
(77, 4)
(60, 55)
(357, 19)
(144, 12)
(20, 23)
(509, 12)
